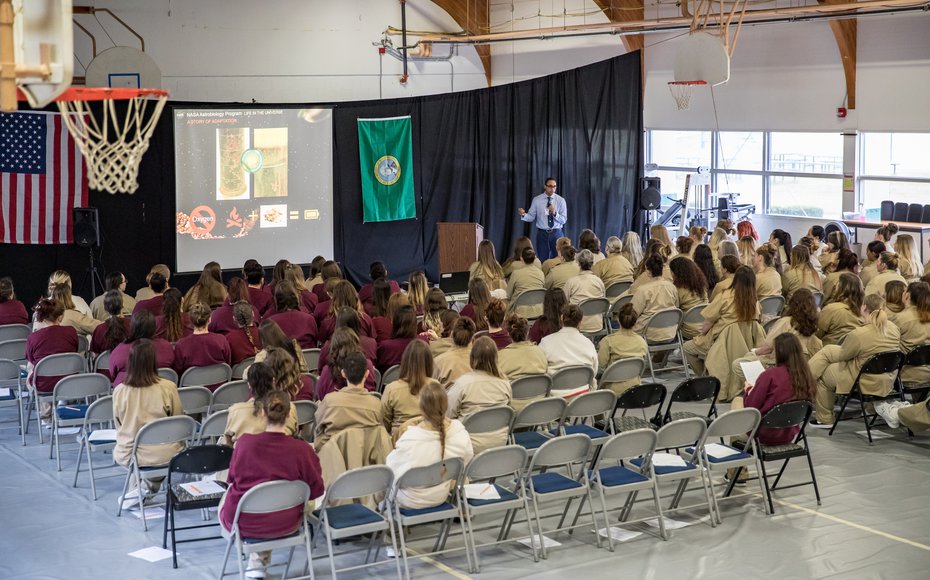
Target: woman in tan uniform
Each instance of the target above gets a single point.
(522, 357)
(887, 268)
(482, 388)
(524, 279)
(73, 317)
(655, 295)
(747, 251)
(908, 257)
(457, 360)
(515, 262)
(800, 274)
(247, 417)
(841, 316)
(836, 241)
(487, 267)
(615, 267)
(641, 274)
(868, 270)
(735, 304)
(729, 264)
(846, 262)
(691, 285)
(895, 302)
(835, 367)
(401, 399)
(140, 399)
(624, 343)
(768, 278)
(632, 248)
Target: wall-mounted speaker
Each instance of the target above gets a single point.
(86, 227)
(651, 195)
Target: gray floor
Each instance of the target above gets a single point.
(873, 524)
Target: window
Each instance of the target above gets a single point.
(681, 149)
(806, 196)
(740, 151)
(893, 167)
(749, 188)
(806, 153)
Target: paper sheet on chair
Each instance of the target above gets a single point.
(481, 491)
(69, 430)
(668, 460)
(618, 534)
(752, 370)
(6, 393)
(102, 435)
(202, 487)
(547, 542)
(718, 451)
(153, 554)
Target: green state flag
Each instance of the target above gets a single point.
(385, 150)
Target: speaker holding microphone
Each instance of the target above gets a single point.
(86, 228)
(650, 196)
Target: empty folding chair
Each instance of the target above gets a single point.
(102, 363)
(530, 298)
(531, 426)
(717, 456)
(187, 466)
(99, 413)
(195, 400)
(213, 427)
(337, 521)
(900, 212)
(14, 331)
(572, 380)
(447, 471)
(166, 430)
(11, 380)
(56, 365)
(488, 427)
(915, 213)
(228, 394)
(784, 416)
(880, 364)
(210, 376)
(617, 288)
(640, 397)
(582, 412)
(238, 370)
(595, 307)
(772, 306)
(667, 319)
(267, 498)
(312, 358)
(693, 390)
(168, 374)
(528, 389)
(569, 452)
(13, 349)
(390, 375)
(65, 412)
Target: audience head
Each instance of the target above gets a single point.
(744, 294)
(348, 318)
(571, 316)
(875, 249)
(528, 256)
(113, 302)
(847, 261)
(886, 232)
(838, 240)
(377, 271)
(765, 256)
(261, 381)
(697, 234)
(242, 314)
(271, 335)
(484, 356)
(114, 281)
(660, 232)
(200, 315)
(397, 300)
(285, 370)
(553, 302)
(6, 290)
(849, 291)
(704, 259)
(517, 328)
(585, 260)
(687, 275)
(894, 295)
(463, 331)
(404, 323)
(345, 296)
(817, 232)
(416, 366)
(918, 295)
(141, 325)
(746, 229)
(801, 257)
(730, 263)
(726, 225)
(567, 253)
(62, 293)
(782, 239)
(316, 266)
(561, 243)
(632, 248)
(908, 253)
(330, 269)
(434, 403)
(802, 309)
(295, 275)
(417, 287)
(162, 269)
(684, 244)
(478, 294)
(279, 270)
(212, 272)
(873, 310)
(588, 241)
(286, 297)
(495, 313)
(238, 290)
(613, 246)
(790, 354)
(276, 406)
(436, 300)
(717, 237)
(887, 261)
(627, 316)
(486, 253)
(343, 343)
(522, 243)
(727, 248)
(142, 368)
(747, 250)
(655, 264)
(49, 310)
(253, 272)
(59, 277)
(448, 317)
(158, 283)
(380, 295)
(355, 368)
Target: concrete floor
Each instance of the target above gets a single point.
(873, 524)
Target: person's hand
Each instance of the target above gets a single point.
(551, 209)
(747, 386)
(521, 211)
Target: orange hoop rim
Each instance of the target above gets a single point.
(102, 94)
(688, 83)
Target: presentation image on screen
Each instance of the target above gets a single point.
(253, 183)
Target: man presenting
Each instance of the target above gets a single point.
(549, 212)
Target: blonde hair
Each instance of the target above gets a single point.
(801, 260)
(295, 275)
(660, 232)
(747, 250)
(875, 306)
(59, 277)
(632, 248)
(417, 287)
(909, 265)
(488, 267)
(62, 293)
(718, 235)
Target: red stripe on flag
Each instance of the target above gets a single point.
(56, 180)
(43, 203)
(14, 229)
(73, 156)
(27, 209)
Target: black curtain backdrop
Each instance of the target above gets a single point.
(478, 156)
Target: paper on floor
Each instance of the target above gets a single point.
(153, 554)
(481, 491)
(876, 434)
(671, 524)
(5, 393)
(151, 512)
(619, 534)
(547, 542)
(69, 430)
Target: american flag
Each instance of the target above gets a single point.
(42, 179)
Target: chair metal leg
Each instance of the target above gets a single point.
(529, 525)
(287, 565)
(628, 505)
(652, 371)
(658, 502)
(565, 512)
(119, 512)
(240, 556)
(764, 486)
(810, 464)
(403, 547)
(307, 548)
(865, 419)
(468, 532)
(145, 524)
(329, 547)
(610, 539)
(394, 545)
(77, 466)
(836, 419)
(229, 544)
(597, 536)
(780, 472)
(709, 494)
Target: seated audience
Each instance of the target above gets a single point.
(706, 263)
(401, 399)
(329, 270)
(222, 321)
(247, 417)
(747, 251)
(403, 331)
(908, 253)
(560, 273)
(887, 268)
(294, 323)
(202, 348)
(114, 281)
(344, 296)
(642, 275)
(869, 269)
(417, 287)
(521, 357)
(894, 299)
(846, 262)
(494, 316)
(551, 320)
(691, 285)
(654, 296)
(914, 324)
(295, 275)
(287, 375)
(479, 296)
(344, 343)
(588, 240)
(456, 361)
(684, 246)
(209, 288)
(348, 318)
(632, 249)
(62, 277)
(557, 259)
(141, 326)
(259, 295)
(173, 323)
(515, 262)
(377, 308)
(157, 284)
(352, 406)
(800, 273)
(114, 329)
(836, 241)
(481, 388)
(615, 267)
(768, 278)
(660, 234)
(51, 338)
(624, 343)
(376, 271)
(487, 267)
(245, 341)
(568, 347)
(781, 241)
(146, 291)
(436, 305)
(271, 336)
(12, 311)
(443, 342)
(522, 280)
(584, 286)
(82, 323)
(842, 316)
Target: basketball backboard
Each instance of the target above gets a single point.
(702, 56)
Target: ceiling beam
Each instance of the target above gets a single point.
(625, 11)
(474, 18)
(845, 32)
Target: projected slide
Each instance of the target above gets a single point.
(253, 183)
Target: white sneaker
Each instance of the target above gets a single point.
(130, 500)
(256, 566)
(888, 412)
(389, 552)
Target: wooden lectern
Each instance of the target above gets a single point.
(458, 245)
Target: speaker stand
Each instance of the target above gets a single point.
(94, 274)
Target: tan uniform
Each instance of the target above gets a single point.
(794, 279)
(440, 346)
(344, 409)
(398, 406)
(915, 417)
(867, 272)
(135, 407)
(768, 283)
(658, 294)
(100, 313)
(914, 333)
(620, 345)
(550, 263)
(243, 419)
(614, 268)
(514, 265)
(830, 283)
(836, 321)
(521, 359)
(828, 261)
(877, 284)
(810, 345)
(452, 364)
(559, 275)
(721, 312)
(581, 287)
(475, 391)
(82, 323)
(493, 283)
(835, 367)
(145, 293)
(723, 284)
(520, 281)
(646, 278)
(687, 300)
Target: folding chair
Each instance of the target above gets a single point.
(196, 461)
(529, 298)
(641, 397)
(530, 388)
(159, 432)
(14, 331)
(13, 349)
(228, 394)
(880, 364)
(56, 365)
(722, 457)
(610, 476)
(568, 452)
(614, 311)
(587, 407)
(598, 307)
(195, 400)
(489, 420)
(84, 386)
(266, 498)
(355, 519)
(442, 472)
(213, 427)
(767, 327)
(818, 299)
(168, 374)
(496, 467)
(389, 376)
(312, 358)
(238, 370)
(900, 211)
(694, 315)
(784, 416)
(210, 376)
(663, 320)
(100, 412)
(616, 289)
(772, 306)
(534, 422)
(693, 390)
(919, 357)
(306, 419)
(11, 378)
(671, 467)
(379, 386)
(571, 378)
(915, 212)
(622, 370)
(102, 363)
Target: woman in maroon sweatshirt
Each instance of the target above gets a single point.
(142, 325)
(222, 320)
(403, 332)
(296, 324)
(244, 341)
(203, 348)
(348, 318)
(49, 340)
(12, 311)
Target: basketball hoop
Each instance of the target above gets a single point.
(681, 91)
(112, 141)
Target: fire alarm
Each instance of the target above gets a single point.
(841, 113)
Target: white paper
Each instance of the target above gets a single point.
(876, 434)
(153, 554)
(6, 392)
(668, 460)
(752, 370)
(202, 487)
(547, 542)
(481, 491)
(102, 435)
(151, 512)
(618, 534)
(69, 430)
(718, 451)
(569, 393)
(671, 524)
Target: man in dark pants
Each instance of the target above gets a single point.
(549, 213)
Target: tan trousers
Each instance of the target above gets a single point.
(696, 355)
(825, 368)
